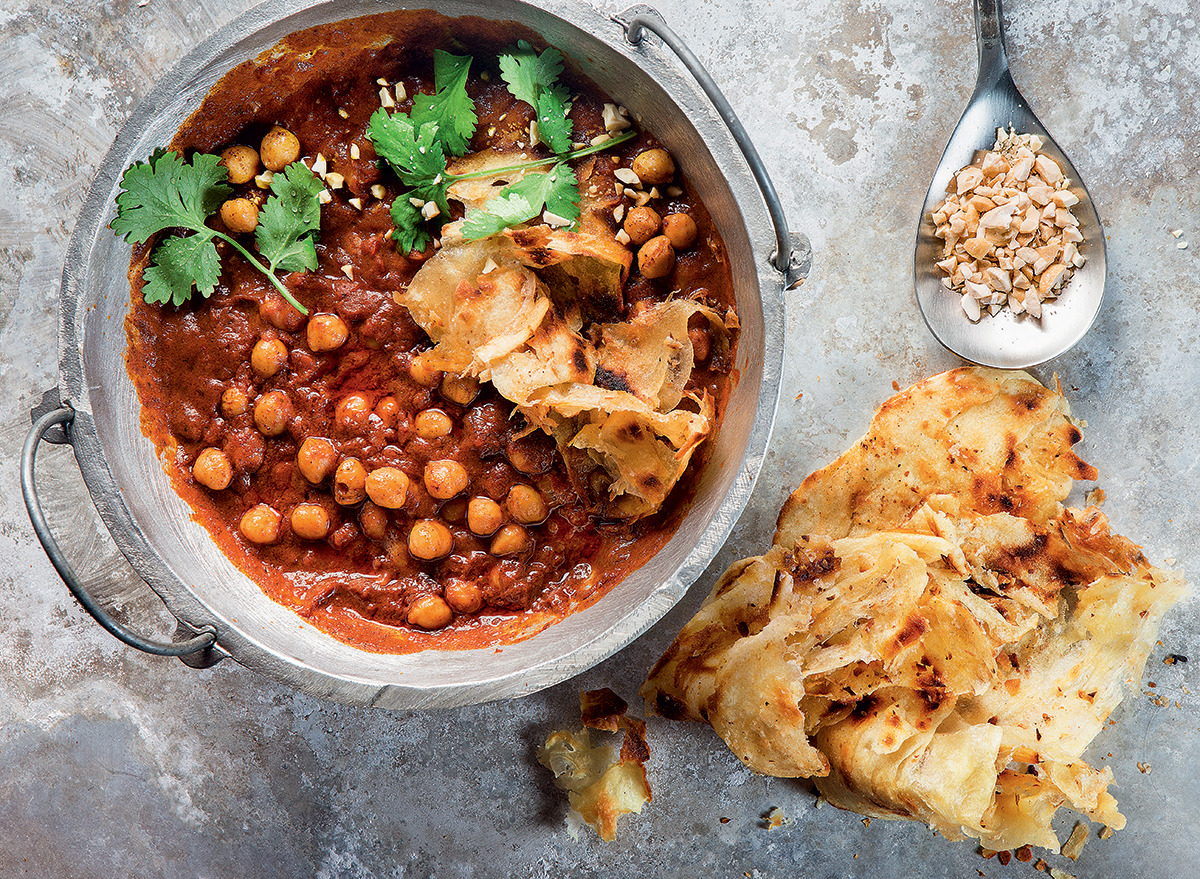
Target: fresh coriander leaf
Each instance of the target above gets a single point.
(509, 208)
(410, 233)
(554, 128)
(179, 263)
(413, 151)
(527, 73)
(451, 108)
(520, 202)
(289, 219)
(562, 197)
(532, 78)
(166, 193)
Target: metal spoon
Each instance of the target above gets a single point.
(1005, 340)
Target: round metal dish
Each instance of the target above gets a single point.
(153, 526)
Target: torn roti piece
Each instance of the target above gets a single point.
(599, 788)
(651, 355)
(929, 639)
(619, 451)
(538, 313)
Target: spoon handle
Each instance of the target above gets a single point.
(989, 34)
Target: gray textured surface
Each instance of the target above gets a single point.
(113, 763)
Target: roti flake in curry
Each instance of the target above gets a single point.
(932, 635)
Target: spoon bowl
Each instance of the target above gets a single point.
(1005, 340)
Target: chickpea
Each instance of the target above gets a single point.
(316, 459)
(387, 487)
(350, 482)
(387, 409)
(353, 413)
(459, 389)
(642, 224)
(463, 596)
(234, 402)
(432, 424)
(454, 511)
(509, 540)
(310, 521)
(326, 332)
(279, 148)
(268, 357)
(260, 524)
(272, 413)
(445, 478)
(526, 505)
(423, 374)
(280, 313)
(654, 167)
(430, 612)
(241, 162)
(429, 539)
(484, 516)
(213, 470)
(656, 258)
(240, 215)
(374, 521)
(680, 230)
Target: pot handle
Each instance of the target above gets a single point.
(793, 263)
(56, 422)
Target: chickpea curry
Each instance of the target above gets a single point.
(463, 333)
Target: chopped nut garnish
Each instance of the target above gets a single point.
(356, 203)
(1009, 237)
(627, 176)
(334, 180)
(378, 190)
(615, 118)
(385, 99)
(324, 196)
(354, 151)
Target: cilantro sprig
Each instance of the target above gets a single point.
(167, 193)
(417, 146)
(520, 202)
(532, 78)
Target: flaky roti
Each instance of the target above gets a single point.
(932, 635)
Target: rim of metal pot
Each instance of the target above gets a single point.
(659, 63)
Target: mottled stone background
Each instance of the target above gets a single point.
(116, 764)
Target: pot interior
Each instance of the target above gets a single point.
(154, 527)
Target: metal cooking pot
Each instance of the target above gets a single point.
(224, 613)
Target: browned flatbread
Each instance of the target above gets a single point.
(510, 309)
(932, 635)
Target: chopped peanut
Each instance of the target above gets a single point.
(1009, 236)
